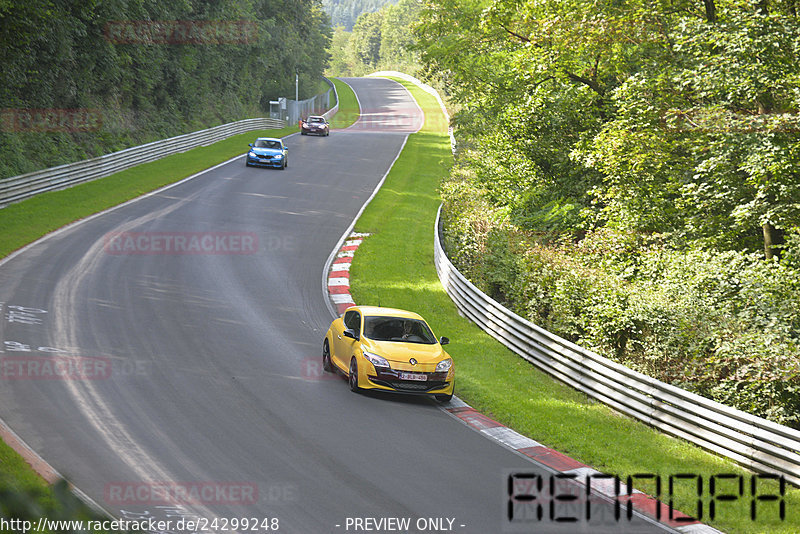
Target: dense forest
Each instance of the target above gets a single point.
(344, 13)
(380, 40)
(628, 176)
(83, 78)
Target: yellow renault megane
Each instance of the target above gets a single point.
(388, 349)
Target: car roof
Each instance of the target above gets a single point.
(316, 117)
(269, 139)
(385, 312)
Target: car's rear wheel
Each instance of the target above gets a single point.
(327, 365)
(352, 378)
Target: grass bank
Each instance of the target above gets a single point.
(32, 218)
(394, 267)
(348, 106)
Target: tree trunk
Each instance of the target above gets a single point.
(772, 238)
(711, 10)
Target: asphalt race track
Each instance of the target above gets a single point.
(199, 373)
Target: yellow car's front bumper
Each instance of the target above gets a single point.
(370, 377)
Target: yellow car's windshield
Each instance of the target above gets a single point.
(399, 329)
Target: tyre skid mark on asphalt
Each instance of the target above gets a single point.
(36, 461)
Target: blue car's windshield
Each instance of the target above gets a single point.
(267, 144)
(398, 329)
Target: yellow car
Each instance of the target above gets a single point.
(388, 349)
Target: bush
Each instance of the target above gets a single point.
(722, 324)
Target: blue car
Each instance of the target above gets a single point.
(268, 152)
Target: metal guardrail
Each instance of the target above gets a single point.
(751, 441)
(27, 185)
(331, 112)
(316, 105)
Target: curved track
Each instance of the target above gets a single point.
(214, 358)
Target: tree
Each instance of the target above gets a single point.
(62, 55)
(396, 38)
(365, 41)
(712, 131)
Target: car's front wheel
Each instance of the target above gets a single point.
(444, 398)
(326, 356)
(352, 379)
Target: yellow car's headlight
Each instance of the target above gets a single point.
(377, 361)
(444, 365)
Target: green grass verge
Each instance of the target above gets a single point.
(17, 478)
(394, 267)
(30, 219)
(27, 497)
(348, 106)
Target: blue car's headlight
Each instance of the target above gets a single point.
(278, 156)
(251, 154)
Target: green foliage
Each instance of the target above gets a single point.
(722, 324)
(365, 41)
(58, 55)
(636, 115)
(339, 63)
(706, 144)
(623, 171)
(380, 40)
(345, 13)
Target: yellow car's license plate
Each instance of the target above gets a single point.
(413, 376)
